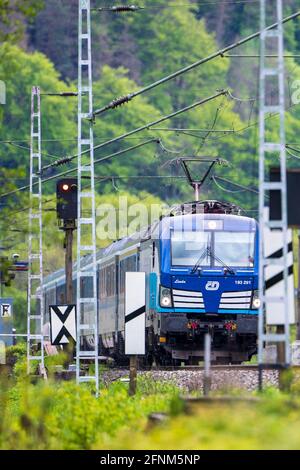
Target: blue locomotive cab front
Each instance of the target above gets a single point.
(208, 283)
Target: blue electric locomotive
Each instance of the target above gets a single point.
(201, 267)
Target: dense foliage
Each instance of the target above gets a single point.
(272, 424)
(14, 16)
(129, 51)
(61, 415)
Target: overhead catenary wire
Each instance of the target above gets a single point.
(178, 129)
(229, 131)
(27, 141)
(174, 75)
(256, 56)
(290, 147)
(72, 170)
(107, 178)
(167, 150)
(67, 172)
(235, 98)
(213, 178)
(99, 160)
(190, 131)
(107, 157)
(135, 8)
(243, 188)
(144, 127)
(220, 53)
(127, 177)
(216, 117)
(292, 154)
(101, 179)
(17, 145)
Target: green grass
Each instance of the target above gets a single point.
(272, 424)
(60, 415)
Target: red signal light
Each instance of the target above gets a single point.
(66, 194)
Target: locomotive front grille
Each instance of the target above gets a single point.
(229, 300)
(236, 300)
(187, 299)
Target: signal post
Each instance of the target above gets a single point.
(67, 192)
(68, 227)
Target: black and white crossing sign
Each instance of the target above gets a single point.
(5, 308)
(62, 324)
(135, 313)
(273, 244)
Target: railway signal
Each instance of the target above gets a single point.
(66, 193)
(67, 210)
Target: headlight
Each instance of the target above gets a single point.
(165, 297)
(255, 300)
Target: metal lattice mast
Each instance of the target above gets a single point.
(35, 318)
(87, 319)
(267, 150)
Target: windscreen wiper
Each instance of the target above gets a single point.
(230, 270)
(201, 257)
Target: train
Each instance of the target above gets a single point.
(201, 266)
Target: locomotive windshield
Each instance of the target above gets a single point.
(212, 248)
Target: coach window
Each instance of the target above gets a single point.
(74, 287)
(100, 283)
(104, 273)
(108, 277)
(111, 290)
(60, 294)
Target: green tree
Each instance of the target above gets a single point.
(13, 17)
(20, 71)
(54, 33)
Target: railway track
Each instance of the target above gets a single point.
(244, 367)
(191, 378)
(213, 367)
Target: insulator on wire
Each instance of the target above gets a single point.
(119, 101)
(112, 105)
(63, 94)
(63, 161)
(69, 93)
(121, 8)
